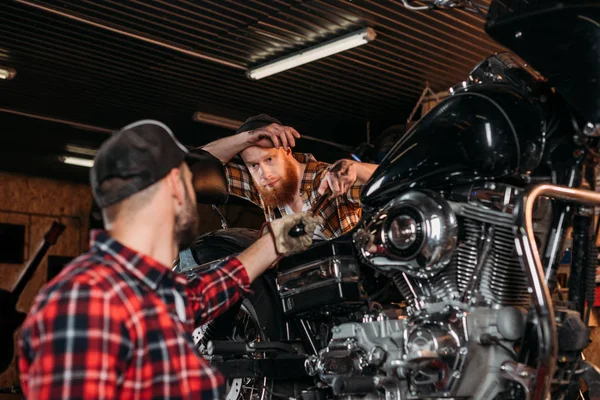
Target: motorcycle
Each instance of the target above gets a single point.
(447, 287)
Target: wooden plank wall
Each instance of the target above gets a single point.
(35, 203)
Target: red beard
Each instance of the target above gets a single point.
(283, 192)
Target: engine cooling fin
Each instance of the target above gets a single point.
(501, 281)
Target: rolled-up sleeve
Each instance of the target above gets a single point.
(239, 181)
(353, 194)
(212, 292)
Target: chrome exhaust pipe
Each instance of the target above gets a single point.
(530, 260)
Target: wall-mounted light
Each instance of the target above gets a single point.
(314, 53)
(82, 162)
(7, 72)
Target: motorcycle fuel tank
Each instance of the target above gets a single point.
(487, 131)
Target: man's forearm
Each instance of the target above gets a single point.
(364, 171)
(258, 257)
(227, 148)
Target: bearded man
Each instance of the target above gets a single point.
(281, 182)
(117, 322)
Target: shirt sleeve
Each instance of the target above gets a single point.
(212, 292)
(75, 347)
(353, 194)
(239, 181)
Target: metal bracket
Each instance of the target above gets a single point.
(520, 373)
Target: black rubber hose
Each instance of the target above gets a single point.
(354, 385)
(226, 348)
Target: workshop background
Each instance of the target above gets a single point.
(82, 69)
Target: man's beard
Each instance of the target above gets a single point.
(283, 192)
(186, 223)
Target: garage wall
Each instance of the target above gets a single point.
(35, 203)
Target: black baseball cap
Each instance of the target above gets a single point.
(257, 121)
(138, 155)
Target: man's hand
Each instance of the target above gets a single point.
(340, 178)
(277, 241)
(287, 243)
(273, 135)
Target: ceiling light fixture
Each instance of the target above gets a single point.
(82, 162)
(215, 120)
(71, 148)
(7, 73)
(314, 53)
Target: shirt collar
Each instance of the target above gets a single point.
(308, 178)
(140, 266)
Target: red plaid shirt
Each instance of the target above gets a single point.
(118, 324)
(340, 214)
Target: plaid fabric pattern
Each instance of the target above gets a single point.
(340, 214)
(117, 324)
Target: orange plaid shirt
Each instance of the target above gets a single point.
(340, 214)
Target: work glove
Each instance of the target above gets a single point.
(292, 234)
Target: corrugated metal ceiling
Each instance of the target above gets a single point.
(73, 63)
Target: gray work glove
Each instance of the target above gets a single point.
(286, 244)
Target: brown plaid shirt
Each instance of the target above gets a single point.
(340, 214)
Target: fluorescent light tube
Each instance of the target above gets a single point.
(314, 53)
(71, 148)
(7, 73)
(82, 162)
(215, 120)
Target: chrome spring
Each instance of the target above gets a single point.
(403, 286)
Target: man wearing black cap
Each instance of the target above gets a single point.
(282, 183)
(117, 321)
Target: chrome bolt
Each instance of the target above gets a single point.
(377, 356)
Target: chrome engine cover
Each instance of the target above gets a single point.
(415, 233)
(467, 299)
(423, 357)
(477, 263)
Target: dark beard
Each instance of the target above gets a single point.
(186, 223)
(284, 193)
